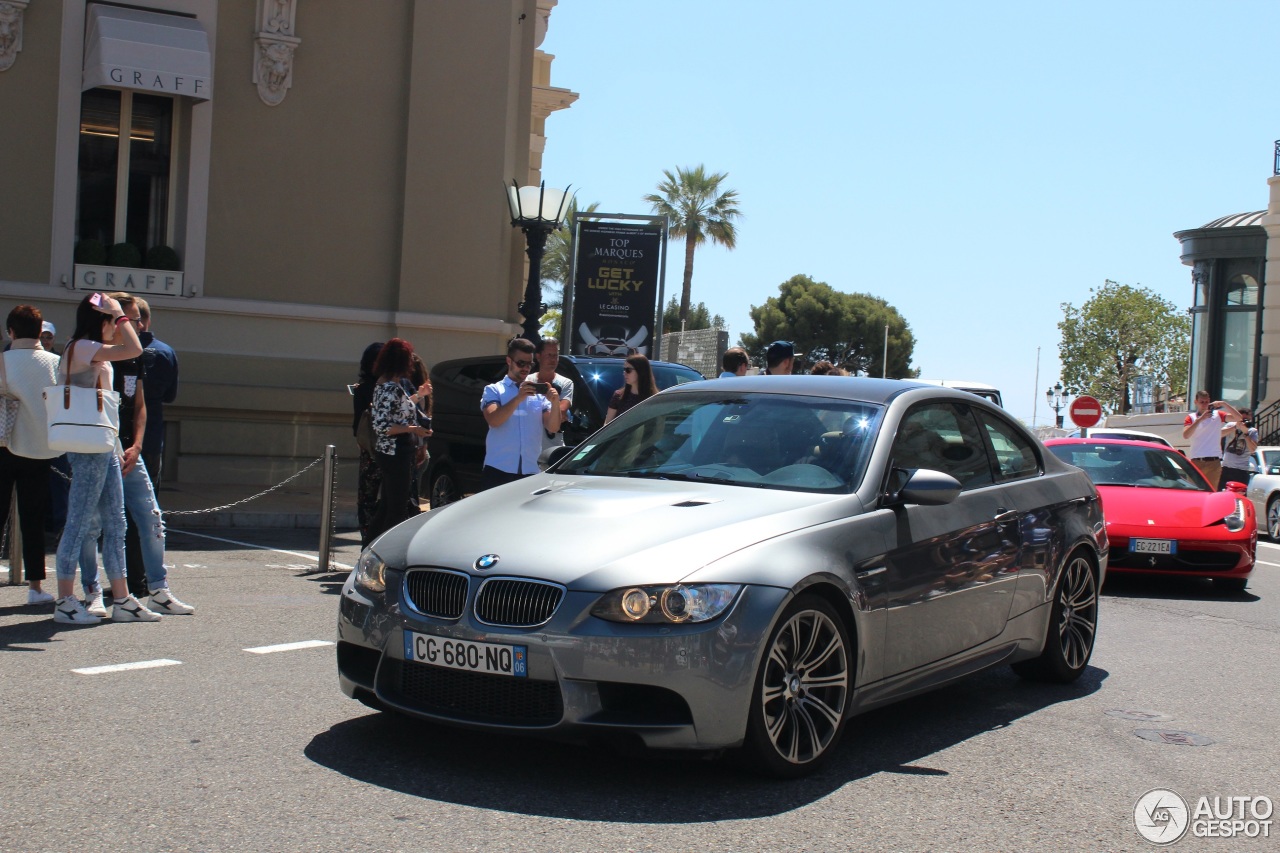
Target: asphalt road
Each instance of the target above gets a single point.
(229, 749)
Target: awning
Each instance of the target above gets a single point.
(147, 51)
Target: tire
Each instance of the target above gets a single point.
(444, 488)
(801, 691)
(1273, 518)
(1231, 586)
(1073, 626)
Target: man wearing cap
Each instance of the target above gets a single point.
(47, 331)
(780, 358)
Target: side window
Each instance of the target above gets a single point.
(481, 374)
(1015, 456)
(943, 437)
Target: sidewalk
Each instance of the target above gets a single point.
(219, 505)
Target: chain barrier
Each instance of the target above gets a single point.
(282, 483)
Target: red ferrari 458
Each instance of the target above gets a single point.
(1162, 516)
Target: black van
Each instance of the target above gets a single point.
(459, 429)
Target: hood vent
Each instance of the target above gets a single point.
(694, 502)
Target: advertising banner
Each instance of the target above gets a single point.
(615, 288)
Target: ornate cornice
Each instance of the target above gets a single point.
(273, 49)
(11, 13)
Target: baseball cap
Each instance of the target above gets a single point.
(778, 350)
(48, 327)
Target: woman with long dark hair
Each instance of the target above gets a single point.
(638, 385)
(369, 480)
(395, 427)
(103, 334)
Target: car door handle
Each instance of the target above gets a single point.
(870, 573)
(1006, 515)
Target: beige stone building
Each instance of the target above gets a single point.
(329, 174)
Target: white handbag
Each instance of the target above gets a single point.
(81, 420)
(8, 408)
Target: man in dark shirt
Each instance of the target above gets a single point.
(161, 365)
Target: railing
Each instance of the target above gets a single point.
(1267, 423)
(1277, 165)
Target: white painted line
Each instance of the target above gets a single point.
(121, 667)
(1264, 563)
(312, 557)
(289, 647)
(1262, 544)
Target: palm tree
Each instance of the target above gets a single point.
(696, 209)
(558, 256)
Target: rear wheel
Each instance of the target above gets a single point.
(1073, 626)
(801, 690)
(1273, 518)
(444, 488)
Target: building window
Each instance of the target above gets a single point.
(127, 169)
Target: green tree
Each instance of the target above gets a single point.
(847, 329)
(558, 257)
(1121, 333)
(700, 317)
(697, 210)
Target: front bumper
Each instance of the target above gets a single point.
(674, 686)
(1228, 556)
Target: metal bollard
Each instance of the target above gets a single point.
(15, 541)
(328, 506)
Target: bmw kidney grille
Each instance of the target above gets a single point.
(517, 603)
(437, 592)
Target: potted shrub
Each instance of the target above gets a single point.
(162, 258)
(91, 252)
(124, 255)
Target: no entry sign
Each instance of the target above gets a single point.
(1085, 411)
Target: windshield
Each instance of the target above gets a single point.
(1131, 465)
(760, 440)
(605, 378)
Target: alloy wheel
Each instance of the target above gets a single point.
(443, 490)
(1078, 605)
(1273, 519)
(804, 686)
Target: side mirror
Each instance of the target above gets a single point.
(928, 488)
(552, 455)
(1238, 488)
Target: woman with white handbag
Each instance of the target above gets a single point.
(103, 334)
(25, 371)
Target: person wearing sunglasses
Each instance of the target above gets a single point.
(519, 411)
(638, 385)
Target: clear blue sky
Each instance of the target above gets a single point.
(976, 165)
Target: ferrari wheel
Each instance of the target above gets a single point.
(801, 690)
(1073, 626)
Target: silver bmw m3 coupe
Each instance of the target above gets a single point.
(736, 564)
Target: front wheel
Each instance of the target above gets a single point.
(801, 690)
(444, 488)
(1273, 518)
(1230, 586)
(1073, 626)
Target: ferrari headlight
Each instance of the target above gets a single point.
(371, 572)
(1235, 521)
(674, 603)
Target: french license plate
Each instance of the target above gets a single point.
(489, 658)
(1153, 546)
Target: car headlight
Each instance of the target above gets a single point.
(371, 572)
(1235, 521)
(673, 603)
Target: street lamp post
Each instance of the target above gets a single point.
(1057, 399)
(537, 211)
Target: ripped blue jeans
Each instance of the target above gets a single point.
(140, 500)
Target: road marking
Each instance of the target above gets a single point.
(1268, 545)
(1265, 563)
(289, 647)
(259, 547)
(121, 667)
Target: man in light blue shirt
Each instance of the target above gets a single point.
(734, 362)
(519, 412)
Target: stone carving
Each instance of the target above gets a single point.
(10, 31)
(273, 54)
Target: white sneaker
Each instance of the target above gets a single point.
(36, 596)
(72, 612)
(163, 601)
(95, 606)
(129, 609)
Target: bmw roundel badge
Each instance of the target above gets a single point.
(488, 561)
